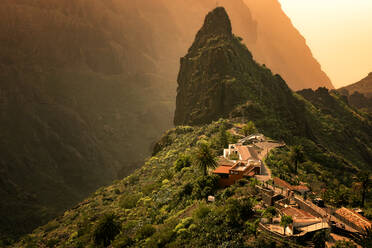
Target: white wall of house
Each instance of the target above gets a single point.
(305, 222)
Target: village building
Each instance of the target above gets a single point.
(258, 137)
(353, 219)
(238, 162)
(237, 152)
(287, 188)
(303, 221)
(230, 174)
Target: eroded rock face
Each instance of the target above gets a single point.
(219, 73)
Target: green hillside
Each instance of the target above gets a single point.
(221, 87)
(163, 204)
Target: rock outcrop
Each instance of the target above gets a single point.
(219, 79)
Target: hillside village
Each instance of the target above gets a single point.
(295, 216)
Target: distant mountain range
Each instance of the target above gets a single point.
(88, 86)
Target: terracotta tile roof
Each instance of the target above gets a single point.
(301, 188)
(282, 183)
(225, 162)
(240, 166)
(297, 213)
(222, 170)
(247, 152)
(354, 217)
(251, 173)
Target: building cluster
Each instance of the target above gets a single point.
(240, 160)
(243, 160)
(307, 216)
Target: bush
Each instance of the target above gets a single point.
(129, 201)
(146, 231)
(238, 211)
(205, 186)
(249, 128)
(123, 242)
(106, 230)
(202, 212)
(186, 190)
(52, 243)
(182, 162)
(243, 182)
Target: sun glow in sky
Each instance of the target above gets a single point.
(339, 33)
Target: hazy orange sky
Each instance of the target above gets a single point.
(339, 33)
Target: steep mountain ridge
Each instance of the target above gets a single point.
(219, 79)
(364, 86)
(162, 204)
(289, 56)
(87, 87)
(360, 94)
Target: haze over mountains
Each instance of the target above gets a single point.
(87, 86)
(163, 203)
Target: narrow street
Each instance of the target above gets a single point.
(266, 148)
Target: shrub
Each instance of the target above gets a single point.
(249, 128)
(52, 243)
(106, 230)
(243, 182)
(146, 231)
(238, 210)
(182, 162)
(186, 190)
(205, 186)
(201, 212)
(129, 201)
(162, 238)
(122, 242)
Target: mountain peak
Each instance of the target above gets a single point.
(217, 22)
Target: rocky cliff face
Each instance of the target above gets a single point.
(283, 49)
(219, 79)
(267, 32)
(219, 73)
(87, 86)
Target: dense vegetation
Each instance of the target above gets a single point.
(72, 104)
(87, 86)
(163, 204)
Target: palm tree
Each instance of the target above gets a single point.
(286, 221)
(296, 156)
(363, 181)
(204, 157)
